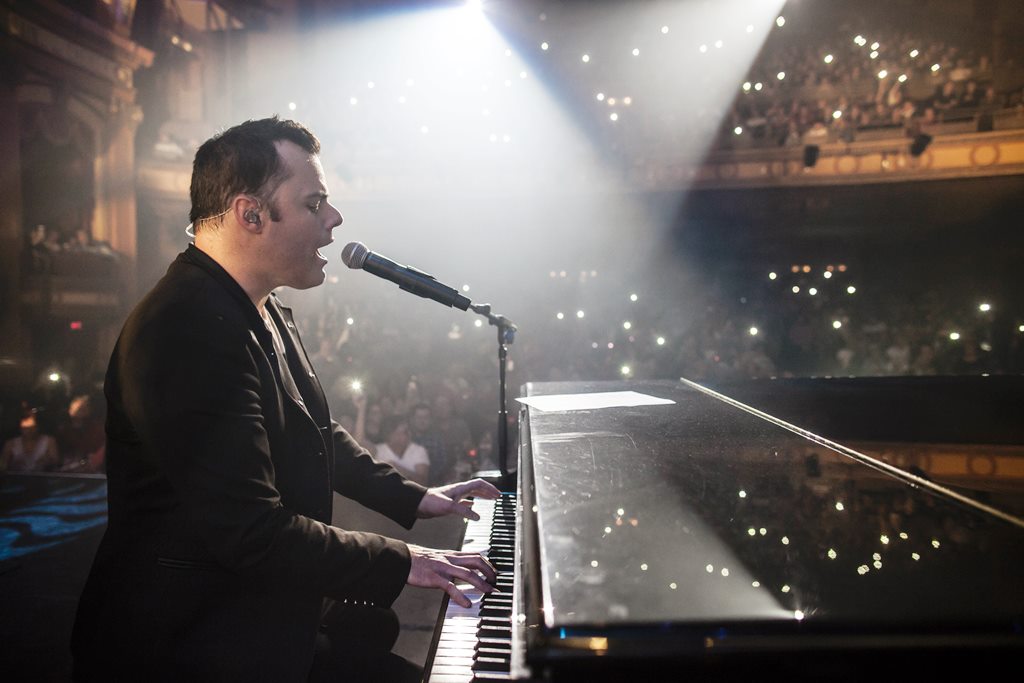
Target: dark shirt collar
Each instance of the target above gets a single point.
(195, 256)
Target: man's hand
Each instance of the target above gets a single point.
(443, 568)
(451, 499)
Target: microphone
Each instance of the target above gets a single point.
(356, 255)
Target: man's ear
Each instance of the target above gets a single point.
(246, 210)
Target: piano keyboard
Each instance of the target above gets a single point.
(475, 643)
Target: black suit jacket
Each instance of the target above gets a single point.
(219, 549)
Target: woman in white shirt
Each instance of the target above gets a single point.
(399, 451)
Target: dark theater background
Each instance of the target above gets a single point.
(725, 191)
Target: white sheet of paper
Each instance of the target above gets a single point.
(604, 399)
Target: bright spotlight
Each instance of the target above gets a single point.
(875, 45)
(837, 114)
(544, 46)
(874, 54)
(661, 340)
(613, 116)
(796, 289)
(624, 370)
(738, 130)
(633, 297)
(882, 74)
(350, 321)
(291, 106)
(356, 385)
(954, 336)
(772, 275)
(758, 86)
(828, 59)
(627, 325)
(585, 58)
(636, 52)
(935, 67)
(902, 78)
(780, 22)
(781, 75)
(579, 314)
(54, 376)
(600, 97)
(559, 315)
(746, 86)
(703, 48)
(985, 307)
(478, 323)
(914, 53)
(851, 289)
(827, 274)
(753, 331)
(664, 29)
(475, 5)
(836, 324)
(812, 291)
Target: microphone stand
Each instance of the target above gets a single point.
(506, 335)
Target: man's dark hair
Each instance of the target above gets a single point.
(243, 160)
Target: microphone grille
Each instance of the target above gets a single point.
(354, 254)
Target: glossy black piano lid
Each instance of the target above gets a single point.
(699, 514)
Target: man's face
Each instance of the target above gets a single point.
(421, 420)
(305, 221)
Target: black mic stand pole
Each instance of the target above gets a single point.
(506, 335)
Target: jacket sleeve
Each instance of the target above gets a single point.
(193, 393)
(377, 485)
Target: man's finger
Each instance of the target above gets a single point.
(457, 595)
(477, 562)
(470, 577)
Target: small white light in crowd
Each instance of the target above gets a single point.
(643, 567)
(627, 100)
(882, 74)
(703, 48)
(613, 116)
(725, 571)
(874, 54)
(465, 288)
(544, 46)
(827, 274)
(625, 369)
(837, 114)
(785, 540)
(746, 87)
(828, 59)
(356, 385)
(579, 314)
(353, 101)
(478, 323)
(780, 75)
(812, 291)
(780, 22)
(611, 101)
(593, 345)
(633, 297)
(350, 321)
(611, 345)
(54, 376)
(857, 39)
(1020, 328)
(753, 333)
(935, 67)
(627, 325)
(560, 315)
(836, 324)
(636, 52)
(758, 86)
(186, 46)
(915, 557)
(743, 494)
(585, 58)
(291, 106)
(664, 29)
(935, 544)
(593, 563)
(914, 53)
(796, 289)
(851, 289)
(985, 307)
(839, 506)
(719, 43)
(902, 78)
(738, 130)
(175, 40)
(661, 340)
(772, 275)
(600, 97)
(751, 531)
(954, 336)
(875, 45)
(673, 585)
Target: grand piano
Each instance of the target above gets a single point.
(837, 529)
